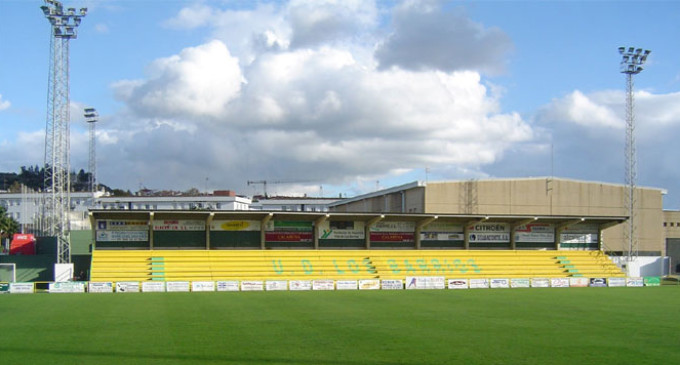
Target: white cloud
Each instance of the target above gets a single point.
(595, 110)
(198, 82)
(316, 22)
(4, 104)
(314, 114)
(426, 36)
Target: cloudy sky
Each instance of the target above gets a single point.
(344, 96)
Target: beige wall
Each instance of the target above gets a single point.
(540, 196)
(671, 223)
(557, 197)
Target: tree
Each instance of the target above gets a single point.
(8, 226)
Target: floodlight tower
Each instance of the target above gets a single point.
(631, 64)
(63, 24)
(92, 117)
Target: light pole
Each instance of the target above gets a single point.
(631, 64)
(63, 24)
(92, 117)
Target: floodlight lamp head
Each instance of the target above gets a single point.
(631, 49)
(83, 11)
(71, 11)
(622, 49)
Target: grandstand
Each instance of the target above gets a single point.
(264, 246)
(215, 265)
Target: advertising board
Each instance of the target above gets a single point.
(202, 286)
(499, 283)
(300, 285)
(177, 286)
(127, 287)
(369, 284)
(458, 283)
(520, 283)
(276, 285)
(559, 282)
(252, 285)
(67, 287)
(323, 285)
(227, 285)
(391, 285)
(347, 285)
(540, 283)
(21, 288)
(479, 283)
(153, 286)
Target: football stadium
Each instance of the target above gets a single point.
(505, 271)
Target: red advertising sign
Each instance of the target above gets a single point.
(288, 236)
(392, 237)
(22, 244)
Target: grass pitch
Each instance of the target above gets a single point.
(496, 326)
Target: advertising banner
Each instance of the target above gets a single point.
(202, 286)
(383, 226)
(479, 283)
(616, 282)
(443, 231)
(425, 282)
(520, 283)
(323, 285)
(289, 231)
(4, 288)
(133, 230)
(235, 225)
(252, 285)
(122, 236)
(153, 286)
(535, 232)
(579, 236)
(276, 285)
(489, 232)
(458, 283)
(21, 288)
(598, 282)
(300, 285)
(227, 286)
(179, 225)
(67, 287)
(393, 232)
(652, 280)
(540, 283)
(288, 236)
(127, 287)
(579, 282)
(499, 283)
(177, 286)
(341, 230)
(635, 282)
(347, 285)
(559, 282)
(391, 285)
(22, 244)
(122, 225)
(369, 284)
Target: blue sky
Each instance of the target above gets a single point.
(341, 97)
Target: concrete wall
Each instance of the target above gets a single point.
(559, 197)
